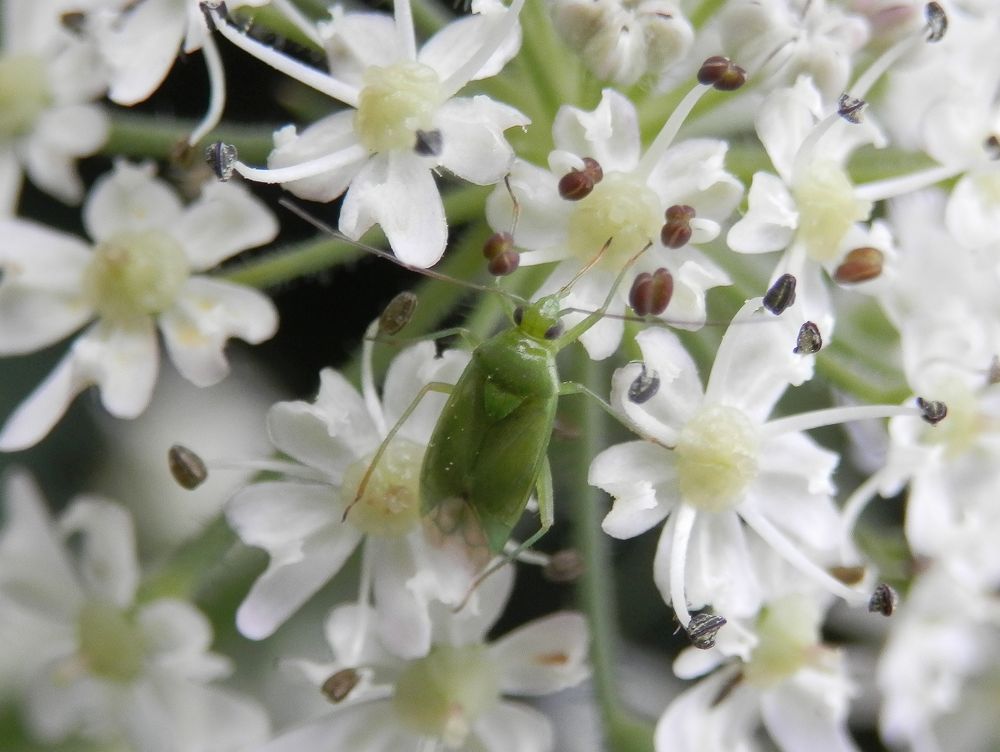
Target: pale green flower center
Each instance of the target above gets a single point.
(716, 458)
(621, 208)
(111, 644)
(395, 103)
(24, 94)
(442, 695)
(824, 197)
(135, 274)
(788, 630)
(390, 505)
(987, 184)
(964, 424)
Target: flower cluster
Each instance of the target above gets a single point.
(748, 257)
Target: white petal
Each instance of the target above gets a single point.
(141, 48)
(459, 40)
(473, 144)
(177, 637)
(407, 374)
(543, 656)
(10, 181)
(205, 315)
(544, 219)
(609, 134)
(693, 172)
(35, 572)
(331, 134)
(694, 721)
(631, 473)
(371, 727)
(397, 191)
(973, 212)
(57, 709)
(108, 566)
(328, 434)
(212, 719)
(404, 625)
(820, 719)
(510, 726)
(61, 136)
(225, 220)
(785, 119)
(357, 41)
(771, 218)
(484, 607)
(129, 199)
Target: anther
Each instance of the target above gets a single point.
(397, 314)
(884, 600)
(340, 684)
(428, 143)
(644, 386)
(780, 295)
(860, 265)
(809, 339)
(564, 566)
(498, 243)
(651, 293)
(721, 73)
(578, 184)
(937, 22)
(848, 575)
(74, 21)
(850, 108)
(703, 628)
(187, 467)
(676, 233)
(993, 374)
(932, 411)
(221, 157)
(504, 264)
(992, 147)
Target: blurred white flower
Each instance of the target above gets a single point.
(452, 697)
(300, 521)
(140, 274)
(95, 663)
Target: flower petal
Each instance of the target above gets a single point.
(225, 220)
(631, 473)
(544, 219)
(458, 41)
(129, 199)
(208, 312)
(543, 656)
(473, 144)
(609, 134)
(820, 718)
(327, 136)
(177, 637)
(771, 218)
(408, 373)
(510, 726)
(60, 137)
(371, 727)
(397, 191)
(108, 567)
(210, 719)
(403, 624)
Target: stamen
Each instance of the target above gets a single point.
(321, 82)
(884, 600)
(651, 293)
(669, 131)
(368, 391)
(834, 416)
(809, 340)
(645, 385)
(684, 517)
(187, 468)
(794, 556)
(222, 158)
(932, 411)
(781, 295)
(703, 629)
(217, 91)
(364, 604)
(676, 233)
(429, 143)
(860, 265)
(851, 513)
(340, 684)
(311, 168)
(301, 22)
(880, 190)
(397, 313)
(472, 66)
(405, 34)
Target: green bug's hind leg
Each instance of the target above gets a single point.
(546, 514)
(434, 386)
(573, 387)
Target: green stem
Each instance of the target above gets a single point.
(181, 576)
(429, 16)
(596, 591)
(704, 12)
(843, 373)
(138, 135)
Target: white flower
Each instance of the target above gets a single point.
(96, 664)
(452, 697)
(791, 682)
(626, 206)
(405, 121)
(140, 274)
(624, 40)
(48, 80)
(712, 461)
(301, 521)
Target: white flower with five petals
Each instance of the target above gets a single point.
(139, 274)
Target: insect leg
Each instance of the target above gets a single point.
(574, 387)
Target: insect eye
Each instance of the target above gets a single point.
(554, 331)
(518, 315)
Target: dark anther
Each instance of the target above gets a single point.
(187, 467)
(780, 295)
(518, 315)
(554, 331)
(721, 73)
(73, 21)
(578, 184)
(992, 147)
(937, 22)
(703, 628)
(221, 157)
(884, 600)
(340, 684)
(676, 233)
(428, 143)
(397, 314)
(860, 265)
(809, 340)
(504, 264)
(651, 293)
(564, 566)
(850, 108)
(644, 386)
(848, 575)
(498, 243)
(932, 411)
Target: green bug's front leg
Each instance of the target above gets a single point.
(546, 514)
(572, 387)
